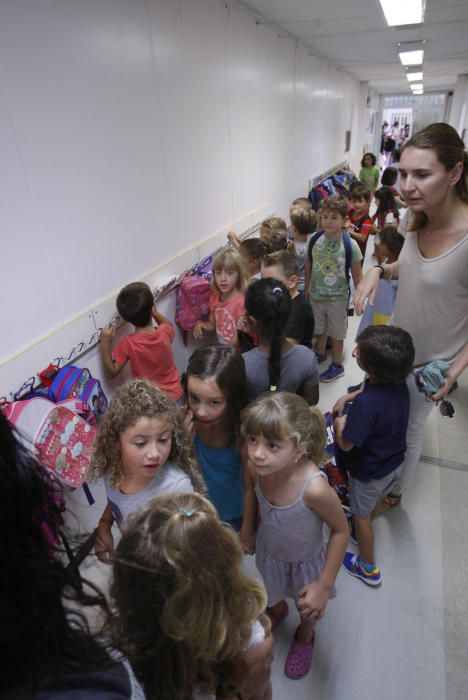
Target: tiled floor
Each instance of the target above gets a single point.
(406, 640)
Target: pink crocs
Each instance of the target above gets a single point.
(299, 658)
(276, 621)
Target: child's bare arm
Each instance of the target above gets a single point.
(249, 520)
(340, 404)
(356, 271)
(320, 497)
(111, 367)
(306, 278)
(104, 545)
(159, 318)
(202, 326)
(235, 240)
(339, 425)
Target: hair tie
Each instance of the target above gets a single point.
(272, 387)
(277, 290)
(186, 512)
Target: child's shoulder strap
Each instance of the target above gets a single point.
(348, 246)
(312, 241)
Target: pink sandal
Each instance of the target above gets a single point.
(299, 658)
(276, 621)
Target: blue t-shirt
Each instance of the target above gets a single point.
(222, 470)
(376, 425)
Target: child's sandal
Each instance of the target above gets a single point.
(299, 658)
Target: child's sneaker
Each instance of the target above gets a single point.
(351, 525)
(352, 564)
(332, 373)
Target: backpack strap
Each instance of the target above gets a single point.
(348, 254)
(312, 241)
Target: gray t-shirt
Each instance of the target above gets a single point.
(298, 370)
(432, 300)
(168, 479)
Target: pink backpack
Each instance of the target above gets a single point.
(57, 436)
(193, 294)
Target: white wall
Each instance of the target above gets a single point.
(131, 130)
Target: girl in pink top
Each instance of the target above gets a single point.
(227, 311)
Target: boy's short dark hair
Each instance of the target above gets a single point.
(284, 259)
(360, 192)
(386, 353)
(390, 237)
(135, 303)
(353, 186)
(335, 203)
(254, 247)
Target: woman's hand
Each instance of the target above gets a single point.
(444, 389)
(104, 545)
(313, 600)
(367, 290)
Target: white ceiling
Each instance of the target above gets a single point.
(354, 36)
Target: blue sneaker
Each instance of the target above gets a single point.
(351, 525)
(352, 564)
(320, 358)
(332, 373)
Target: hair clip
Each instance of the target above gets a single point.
(186, 512)
(275, 290)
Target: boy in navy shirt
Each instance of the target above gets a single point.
(371, 436)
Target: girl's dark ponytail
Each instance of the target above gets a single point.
(269, 303)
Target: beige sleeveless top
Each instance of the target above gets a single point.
(432, 300)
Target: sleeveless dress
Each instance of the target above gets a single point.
(290, 548)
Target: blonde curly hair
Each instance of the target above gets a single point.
(134, 400)
(195, 607)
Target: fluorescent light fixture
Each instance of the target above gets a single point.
(411, 58)
(414, 76)
(399, 12)
(418, 92)
(416, 86)
(412, 52)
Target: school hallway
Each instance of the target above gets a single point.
(406, 639)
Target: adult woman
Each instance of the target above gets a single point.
(432, 297)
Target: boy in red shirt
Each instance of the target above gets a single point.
(148, 349)
(360, 223)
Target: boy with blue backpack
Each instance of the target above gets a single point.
(332, 257)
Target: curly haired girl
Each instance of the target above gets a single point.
(196, 614)
(142, 450)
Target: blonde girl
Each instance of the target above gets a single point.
(142, 450)
(197, 617)
(230, 278)
(285, 442)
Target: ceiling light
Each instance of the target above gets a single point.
(412, 52)
(414, 76)
(398, 12)
(411, 58)
(416, 86)
(418, 92)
